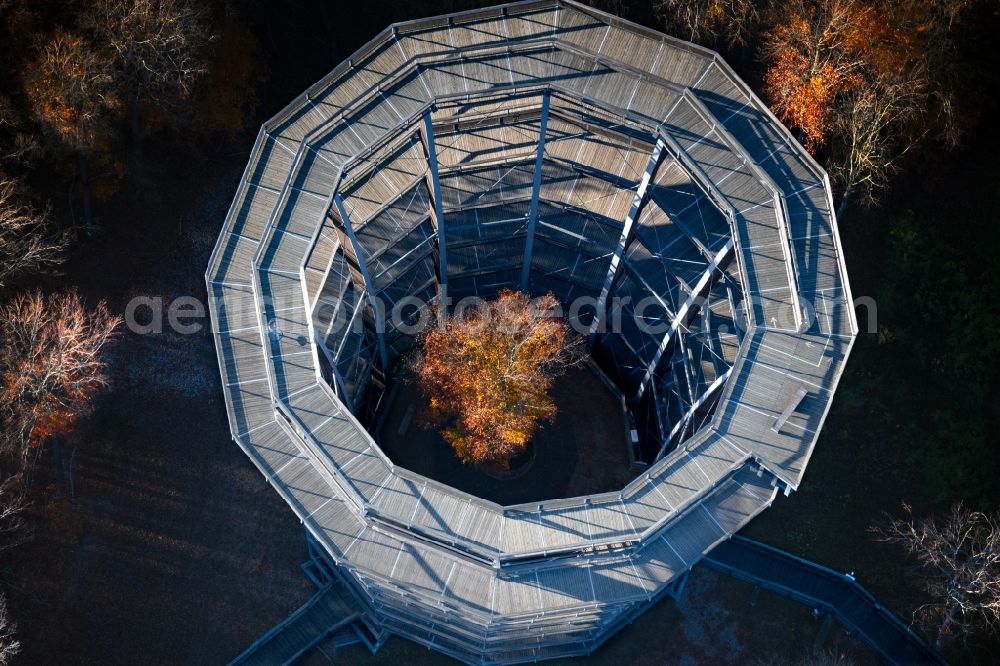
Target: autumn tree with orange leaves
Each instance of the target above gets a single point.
(487, 374)
(71, 89)
(51, 368)
(861, 79)
(817, 50)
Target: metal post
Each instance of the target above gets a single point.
(438, 210)
(342, 393)
(638, 202)
(366, 278)
(529, 241)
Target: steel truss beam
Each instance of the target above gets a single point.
(536, 187)
(641, 197)
(385, 206)
(682, 425)
(356, 257)
(340, 387)
(413, 256)
(675, 219)
(438, 211)
(684, 312)
(685, 357)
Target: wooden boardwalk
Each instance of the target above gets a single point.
(832, 592)
(662, 177)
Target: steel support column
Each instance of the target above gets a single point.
(683, 312)
(438, 210)
(357, 255)
(638, 202)
(536, 187)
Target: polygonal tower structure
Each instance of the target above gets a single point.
(542, 146)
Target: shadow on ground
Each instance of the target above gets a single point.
(580, 453)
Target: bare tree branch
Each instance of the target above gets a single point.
(959, 558)
(9, 645)
(51, 367)
(16, 146)
(69, 85)
(29, 242)
(13, 503)
(158, 45)
(869, 127)
(709, 20)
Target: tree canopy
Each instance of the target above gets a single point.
(51, 366)
(863, 79)
(959, 558)
(487, 373)
(70, 87)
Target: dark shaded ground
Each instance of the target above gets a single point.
(582, 452)
(174, 550)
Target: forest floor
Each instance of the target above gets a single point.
(156, 540)
(582, 452)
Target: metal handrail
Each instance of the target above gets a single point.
(791, 262)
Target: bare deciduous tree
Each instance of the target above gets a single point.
(959, 557)
(13, 504)
(869, 126)
(16, 145)
(69, 85)
(51, 367)
(709, 20)
(70, 88)
(935, 52)
(28, 240)
(9, 645)
(158, 48)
